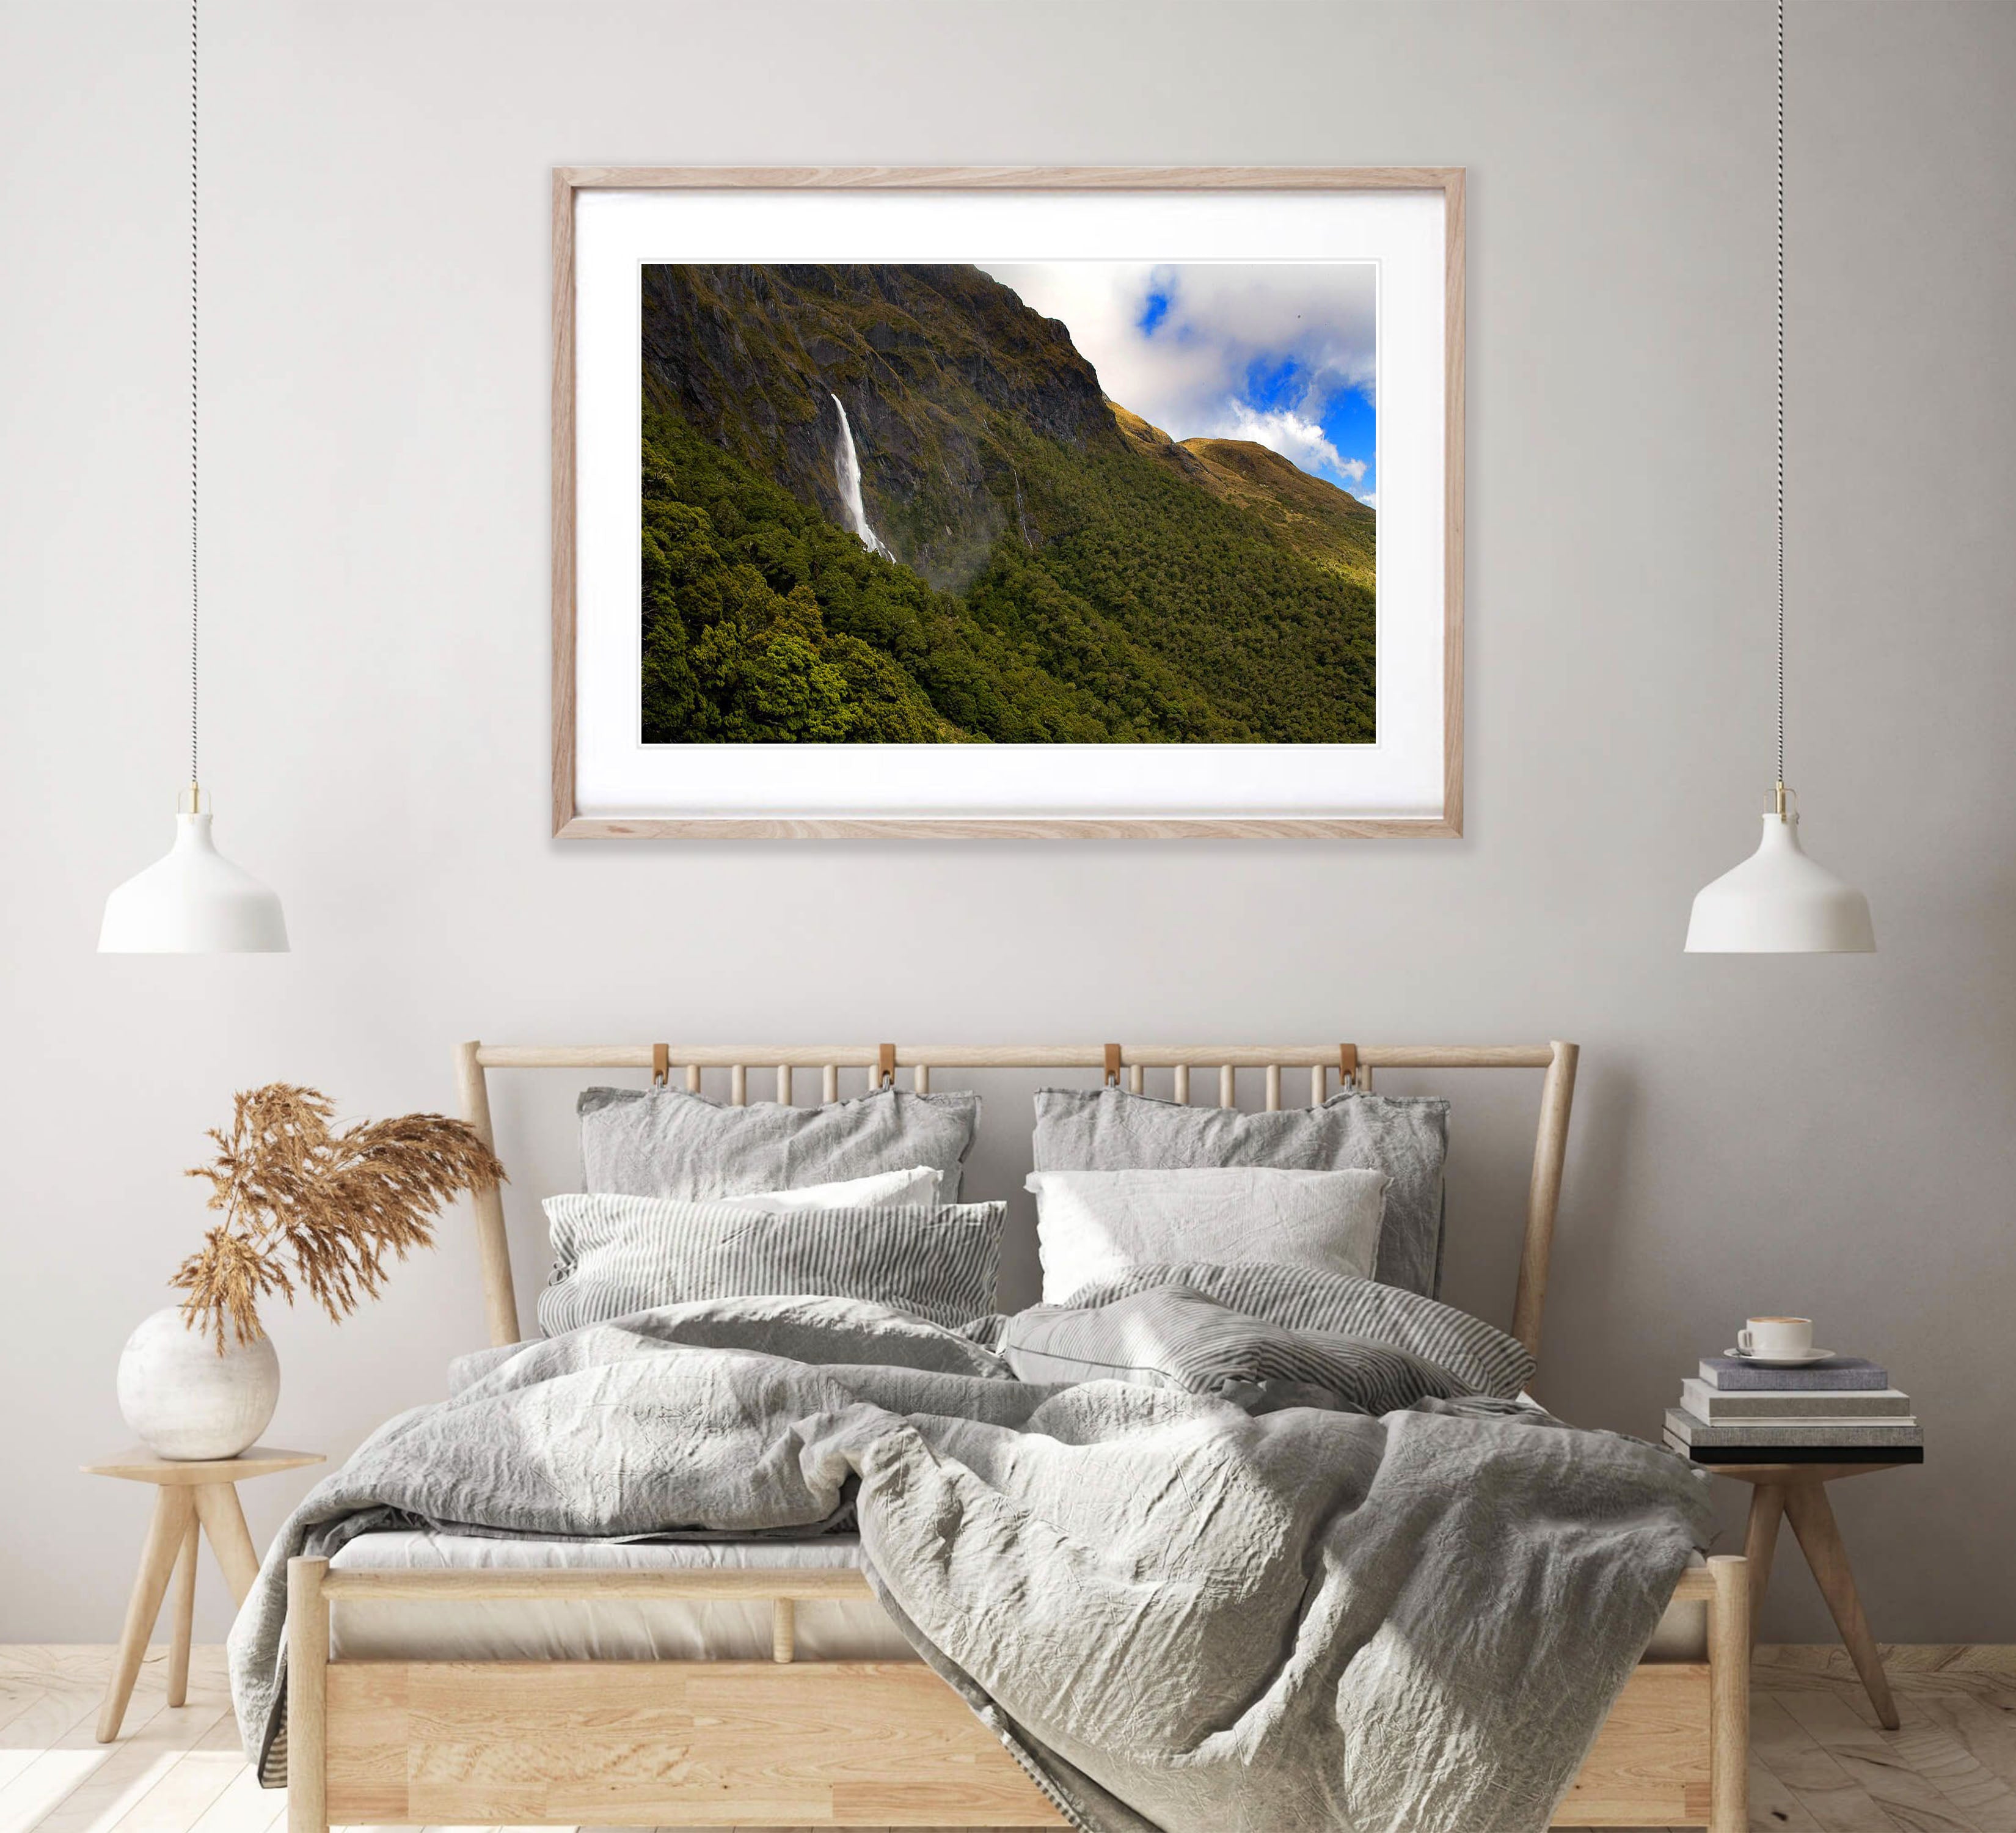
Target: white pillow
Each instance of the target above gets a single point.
(1095, 1225)
(886, 1189)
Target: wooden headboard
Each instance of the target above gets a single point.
(1354, 1064)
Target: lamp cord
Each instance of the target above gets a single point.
(1781, 391)
(195, 599)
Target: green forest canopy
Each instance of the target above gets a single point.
(1123, 606)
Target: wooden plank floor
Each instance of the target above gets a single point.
(1820, 1764)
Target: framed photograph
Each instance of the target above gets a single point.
(1026, 503)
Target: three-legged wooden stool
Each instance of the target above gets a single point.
(1796, 1492)
(189, 1499)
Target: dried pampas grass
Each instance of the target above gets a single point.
(304, 1204)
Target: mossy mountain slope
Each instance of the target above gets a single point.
(1051, 581)
(934, 364)
(1319, 521)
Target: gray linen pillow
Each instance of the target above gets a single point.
(614, 1255)
(667, 1143)
(1328, 1309)
(1173, 1337)
(1405, 1136)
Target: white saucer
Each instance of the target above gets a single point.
(1804, 1361)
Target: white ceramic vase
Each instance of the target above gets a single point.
(186, 1401)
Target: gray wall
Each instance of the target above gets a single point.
(1833, 1134)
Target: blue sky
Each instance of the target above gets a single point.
(1282, 352)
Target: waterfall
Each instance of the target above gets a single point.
(847, 472)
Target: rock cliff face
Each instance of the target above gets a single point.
(942, 370)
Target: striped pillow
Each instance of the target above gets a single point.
(612, 1255)
(1172, 1336)
(1478, 1355)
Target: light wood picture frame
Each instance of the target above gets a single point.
(595, 498)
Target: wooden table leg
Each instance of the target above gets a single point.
(223, 1522)
(166, 1533)
(1760, 1545)
(1812, 1516)
(185, 1617)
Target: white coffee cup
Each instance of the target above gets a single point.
(1772, 1338)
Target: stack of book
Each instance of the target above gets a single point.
(1843, 1411)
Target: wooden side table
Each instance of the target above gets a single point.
(190, 1498)
(1796, 1492)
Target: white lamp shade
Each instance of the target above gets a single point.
(193, 902)
(1778, 901)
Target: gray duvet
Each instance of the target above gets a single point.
(1175, 1614)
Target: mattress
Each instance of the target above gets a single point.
(606, 1628)
(670, 1630)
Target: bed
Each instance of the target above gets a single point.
(434, 1678)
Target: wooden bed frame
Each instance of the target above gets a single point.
(860, 1744)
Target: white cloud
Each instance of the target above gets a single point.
(1299, 440)
(1189, 373)
(1369, 497)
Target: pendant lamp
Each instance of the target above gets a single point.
(1779, 902)
(193, 901)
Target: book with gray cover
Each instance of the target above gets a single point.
(1692, 1432)
(1838, 1375)
(1718, 1406)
